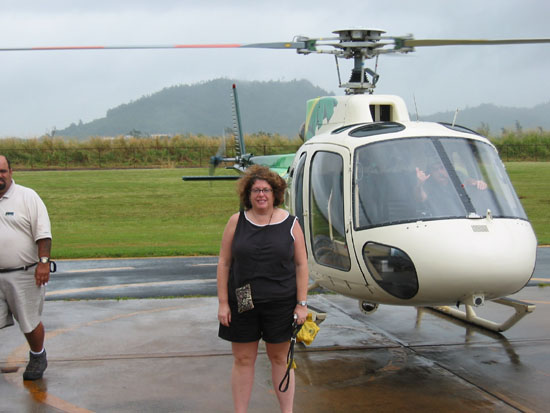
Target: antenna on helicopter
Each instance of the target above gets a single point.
(454, 118)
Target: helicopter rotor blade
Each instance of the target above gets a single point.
(304, 45)
(356, 44)
(274, 45)
(464, 42)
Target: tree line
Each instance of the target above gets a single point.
(132, 152)
(195, 150)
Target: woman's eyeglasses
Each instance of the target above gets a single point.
(263, 190)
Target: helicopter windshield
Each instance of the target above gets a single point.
(407, 180)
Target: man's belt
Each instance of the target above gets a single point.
(23, 268)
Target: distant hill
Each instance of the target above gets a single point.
(272, 107)
(497, 117)
(206, 108)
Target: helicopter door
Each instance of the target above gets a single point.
(297, 184)
(328, 220)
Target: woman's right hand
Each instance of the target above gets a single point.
(224, 314)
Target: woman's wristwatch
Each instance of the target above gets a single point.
(302, 303)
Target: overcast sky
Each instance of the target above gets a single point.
(45, 89)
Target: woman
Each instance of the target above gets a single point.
(262, 252)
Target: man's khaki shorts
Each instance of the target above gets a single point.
(22, 299)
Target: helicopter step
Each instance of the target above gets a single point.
(521, 308)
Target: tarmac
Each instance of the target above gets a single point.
(163, 355)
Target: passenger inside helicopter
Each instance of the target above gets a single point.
(435, 189)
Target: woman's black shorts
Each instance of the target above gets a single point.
(270, 321)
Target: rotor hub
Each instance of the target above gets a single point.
(359, 45)
(359, 34)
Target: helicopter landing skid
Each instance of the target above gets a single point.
(521, 308)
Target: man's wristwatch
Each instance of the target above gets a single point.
(302, 303)
(44, 260)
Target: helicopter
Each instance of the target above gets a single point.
(357, 187)
(394, 211)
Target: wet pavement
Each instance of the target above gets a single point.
(165, 277)
(163, 355)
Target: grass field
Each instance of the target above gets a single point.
(532, 183)
(152, 212)
(122, 213)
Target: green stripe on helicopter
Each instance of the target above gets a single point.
(277, 163)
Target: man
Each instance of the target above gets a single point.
(25, 243)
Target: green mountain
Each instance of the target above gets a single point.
(272, 107)
(206, 108)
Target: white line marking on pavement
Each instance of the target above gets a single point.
(135, 285)
(101, 269)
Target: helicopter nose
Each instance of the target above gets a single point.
(420, 264)
(495, 262)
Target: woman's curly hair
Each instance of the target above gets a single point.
(255, 173)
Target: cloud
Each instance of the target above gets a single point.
(40, 90)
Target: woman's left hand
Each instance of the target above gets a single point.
(224, 314)
(301, 313)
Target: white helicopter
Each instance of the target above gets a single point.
(395, 211)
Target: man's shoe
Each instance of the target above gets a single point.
(35, 368)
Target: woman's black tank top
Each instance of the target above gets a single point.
(264, 257)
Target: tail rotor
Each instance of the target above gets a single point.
(218, 158)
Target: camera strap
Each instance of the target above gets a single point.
(283, 385)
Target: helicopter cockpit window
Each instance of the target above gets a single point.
(408, 180)
(483, 177)
(327, 211)
(343, 128)
(376, 128)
